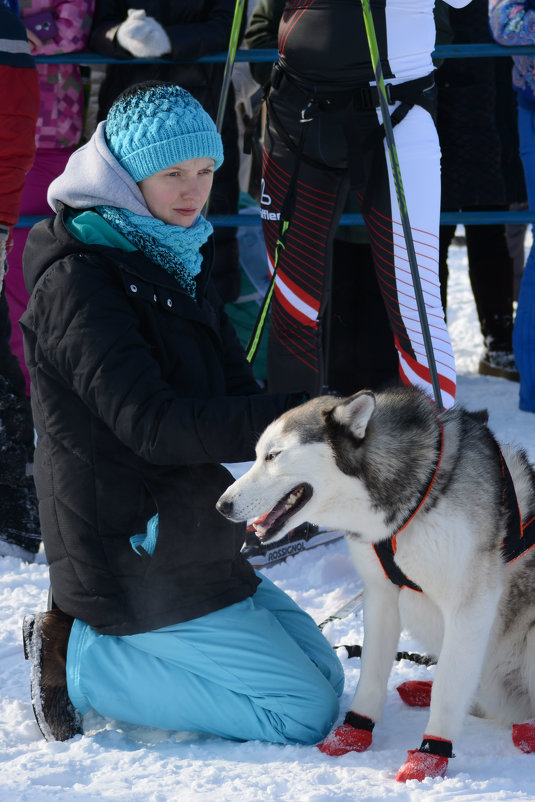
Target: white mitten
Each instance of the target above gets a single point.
(4, 236)
(244, 86)
(143, 36)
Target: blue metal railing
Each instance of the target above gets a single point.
(483, 50)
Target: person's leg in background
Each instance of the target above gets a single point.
(512, 169)
(446, 237)
(524, 325)
(515, 234)
(298, 329)
(419, 159)
(20, 531)
(490, 267)
(49, 163)
(362, 354)
(491, 272)
(20, 534)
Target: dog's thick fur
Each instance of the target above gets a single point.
(362, 464)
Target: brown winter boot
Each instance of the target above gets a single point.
(45, 637)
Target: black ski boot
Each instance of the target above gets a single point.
(498, 358)
(302, 538)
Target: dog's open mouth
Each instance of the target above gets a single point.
(268, 525)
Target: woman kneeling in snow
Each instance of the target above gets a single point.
(140, 390)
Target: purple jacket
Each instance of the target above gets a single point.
(62, 98)
(512, 22)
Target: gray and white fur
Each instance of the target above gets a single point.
(363, 464)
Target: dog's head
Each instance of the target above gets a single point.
(306, 462)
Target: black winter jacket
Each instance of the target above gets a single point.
(196, 28)
(138, 394)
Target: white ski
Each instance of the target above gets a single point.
(280, 551)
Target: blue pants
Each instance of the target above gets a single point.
(524, 326)
(257, 670)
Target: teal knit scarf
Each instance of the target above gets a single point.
(175, 248)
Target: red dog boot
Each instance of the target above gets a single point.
(430, 760)
(416, 693)
(524, 736)
(354, 735)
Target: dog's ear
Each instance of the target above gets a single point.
(480, 416)
(355, 412)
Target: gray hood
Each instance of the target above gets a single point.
(94, 177)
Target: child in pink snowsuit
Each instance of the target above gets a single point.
(59, 129)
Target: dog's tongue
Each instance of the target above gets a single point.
(259, 520)
(264, 523)
(259, 524)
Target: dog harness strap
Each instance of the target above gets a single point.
(437, 746)
(528, 534)
(429, 487)
(385, 553)
(386, 549)
(359, 722)
(519, 538)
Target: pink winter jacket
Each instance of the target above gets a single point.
(62, 98)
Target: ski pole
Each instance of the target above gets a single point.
(400, 193)
(352, 606)
(258, 329)
(229, 64)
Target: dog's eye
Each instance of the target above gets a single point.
(271, 455)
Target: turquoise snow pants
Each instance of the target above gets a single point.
(257, 670)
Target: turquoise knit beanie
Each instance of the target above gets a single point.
(154, 125)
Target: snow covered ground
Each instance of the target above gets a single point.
(117, 762)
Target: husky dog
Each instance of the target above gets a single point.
(437, 520)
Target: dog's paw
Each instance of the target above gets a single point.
(344, 739)
(524, 736)
(416, 693)
(420, 765)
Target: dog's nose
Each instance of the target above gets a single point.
(224, 507)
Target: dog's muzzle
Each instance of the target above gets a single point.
(226, 508)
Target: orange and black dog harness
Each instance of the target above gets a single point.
(519, 539)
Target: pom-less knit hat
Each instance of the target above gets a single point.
(152, 126)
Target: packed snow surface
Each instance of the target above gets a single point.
(113, 761)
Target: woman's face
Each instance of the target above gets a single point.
(177, 194)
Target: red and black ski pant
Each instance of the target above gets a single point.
(314, 153)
